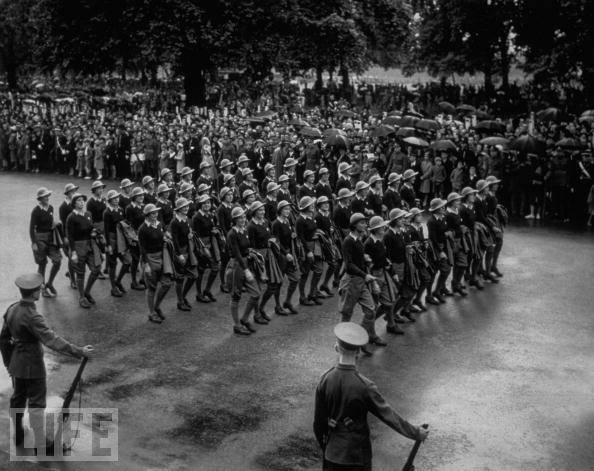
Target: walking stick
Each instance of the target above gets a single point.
(409, 466)
(67, 401)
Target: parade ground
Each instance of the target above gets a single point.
(504, 377)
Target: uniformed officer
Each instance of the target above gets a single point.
(344, 397)
(23, 335)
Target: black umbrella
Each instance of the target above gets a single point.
(406, 121)
(549, 114)
(588, 113)
(482, 115)
(383, 131)
(464, 108)
(308, 131)
(345, 114)
(446, 107)
(414, 114)
(332, 131)
(268, 114)
(528, 144)
(443, 144)
(392, 120)
(395, 113)
(494, 141)
(427, 125)
(298, 122)
(416, 141)
(495, 126)
(337, 140)
(406, 132)
(568, 143)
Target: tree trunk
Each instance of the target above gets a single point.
(319, 82)
(10, 66)
(194, 80)
(344, 73)
(153, 74)
(488, 79)
(505, 64)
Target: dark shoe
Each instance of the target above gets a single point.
(365, 351)
(335, 284)
(409, 316)
(260, 320)
(420, 305)
(414, 308)
(224, 289)
(159, 313)
(52, 290)
(497, 272)
(116, 293)
(185, 301)
(326, 290)
(431, 300)
(182, 307)
(121, 287)
(289, 307)
(90, 298)
(446, 292)
(280, 311)
(101, 276)
(315, 301)
(210, 297)
(399, 319)
(306, 302)
(479, 284)
(491, 278)
(377, 341)
(439, 297)
(137, 286)
(46, 293)
(394, 330)
(202, 299)
(248, 326)
(241, 330)
(84, 302)
(142, 282)
(264, 316)
(73, 284)
(155, 318)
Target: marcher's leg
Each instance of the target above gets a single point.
(36, 392)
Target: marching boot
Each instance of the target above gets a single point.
(278, 308)
(52, 276)
(123, 270)
(159, 295)
(188, 283)
(238, 327)
(251, 304)
(179, 291)
(212, 276)
(290, 291)
(265, 298)
(90, 282)
(380, 310)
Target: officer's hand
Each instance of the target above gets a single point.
(422, 434)
(88, 350)
(369, 278)
(442, 255)
(74, 257)
(310, 255)
(289, 257)
(34, 247)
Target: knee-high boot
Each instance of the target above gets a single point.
(252, 304)
(270, 289)
(123, 270)
(90, 281)
(53, 272)
(212, 276)
(41, 267)
(162, 290)
(179, 291)
(80, 285)
(235, 312)
(290, 291)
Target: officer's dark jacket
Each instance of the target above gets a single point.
(30, 331)
(346, 397)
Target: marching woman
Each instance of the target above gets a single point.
(164, 204)
(151, 240)
(468, 218)
(207, 247)
(482, 217)
(134, 218)
(126, 188)
(183, 257)
(407, 192)
(328, 240)
(95, 207)
(437, 228)
(224, 219)
(459, 242)
(422, 259)
(311, 261)
(64, 210)
(247, 198)
(116, 245)
(260, 240)
(186, 190)
(84, 249)
(238, 274)
(396, 240)
(285, 236)
(45, 241)
(494, 214)
(392, 197)
(284, 193)
(384, 290)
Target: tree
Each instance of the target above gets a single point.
(557, 37)
(16, 27)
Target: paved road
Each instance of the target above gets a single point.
(504, 377)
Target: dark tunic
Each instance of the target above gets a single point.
(111, 218)
(377, 251)
(392, 199)
(64, 211)
(374, 201)
(437, 229)
(408, 195)
(166, 213)
(306, 191)
(342, 216)
(395, 244)
(203, 224)
(224, 218)
(306, 229)
(324, 190)
(150, 239)
(283, 232)
(238, 244)
(259, 234)
(134, 216)
(180, 232)
(41, 221)
(96, 208)
(78, 228)
(354, 257)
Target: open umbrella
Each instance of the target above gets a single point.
(494, 126)
(383, 131)
(587, 119)
(406, 121)
(256, 120)
(414, 114)
(308, 131)
(298, 122)
(395, 113)
(415, 141)
(405, 132)
(549, 114)
(392, 120)
(494, 141)
(588, 113)
(464, 108)
(528, 144)
(268, 114)
(443, 144)
(446, 107)
(332, 131)
(568, 143)
(427, 124)
(337, 140)
(482, 115)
